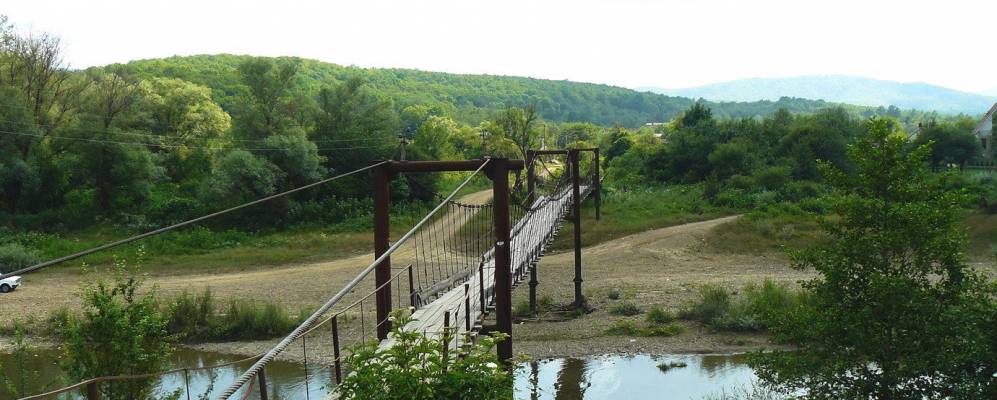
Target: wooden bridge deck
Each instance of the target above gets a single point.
(527, 234)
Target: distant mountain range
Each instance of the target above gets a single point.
(842, 89)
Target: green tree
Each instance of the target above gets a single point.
(950, 143)
(239, 177)
(269, 82)
(355, 124)
(435, 138)
(896, 312)
(121, 332)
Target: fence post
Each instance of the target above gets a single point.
(503, 278)
(576, 216)
(481, 289)
(467, 307)
(335, 351)
(382, 227)
(411, 287)
(262, 375)
(446, 339)
(531, 178)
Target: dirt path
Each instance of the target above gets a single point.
(662, 267)
(295, 286)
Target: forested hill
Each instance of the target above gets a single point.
(470, 98)
(843, 89)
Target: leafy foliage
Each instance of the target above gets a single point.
(121, 332)
(896, 313)
(417, 367)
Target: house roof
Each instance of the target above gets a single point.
(988, 117)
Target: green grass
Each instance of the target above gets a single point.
(199, 249)
(755, 309)
(626, 327)
(625, 309)
(659, 316)
(766, 230)
(638, 210)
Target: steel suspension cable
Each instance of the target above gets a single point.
(182, 224)
(304, 326)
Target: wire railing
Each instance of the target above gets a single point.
(447, 274)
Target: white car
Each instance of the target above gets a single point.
(9, 284)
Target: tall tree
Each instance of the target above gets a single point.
(269, 82)
(896, 312)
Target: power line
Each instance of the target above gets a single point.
(182, 224)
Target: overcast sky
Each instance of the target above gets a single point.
(672, 44)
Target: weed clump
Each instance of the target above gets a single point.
(626, 309)
(659, 316)
(757, 308)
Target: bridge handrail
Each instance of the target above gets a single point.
(307, 324)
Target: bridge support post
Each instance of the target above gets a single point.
(576, 217)
(531, 186)
(382, 227)
(499, 172)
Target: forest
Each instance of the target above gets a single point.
(131, 147)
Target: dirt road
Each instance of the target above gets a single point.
(662, 267)
(295, 286)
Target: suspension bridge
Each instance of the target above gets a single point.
(454, 269)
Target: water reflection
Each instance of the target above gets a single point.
(592, 378)
(633, 377)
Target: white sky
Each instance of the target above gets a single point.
(673, 44)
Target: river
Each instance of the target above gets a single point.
(591, 378)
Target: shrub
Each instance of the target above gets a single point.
(714, 301)
(658, 316)
(774, 177)
(756, 309)
(614, 294)
(415, 369)
(627, 309)
(119, 333)
(192, 316)
(14, 256)
(741, 182)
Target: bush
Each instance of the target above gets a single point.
(14, 256)
(756, 309)
(658, 316)
(192, 317)
(614, 294)
(119, 333)
(774, 177)
(415, 369)
(627, 309)
(714, 301)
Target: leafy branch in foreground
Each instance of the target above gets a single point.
(417, 368)
(895, 311)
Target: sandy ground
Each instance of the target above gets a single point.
(295, 286)
(663, 267)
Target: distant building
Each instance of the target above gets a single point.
(985, 132)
